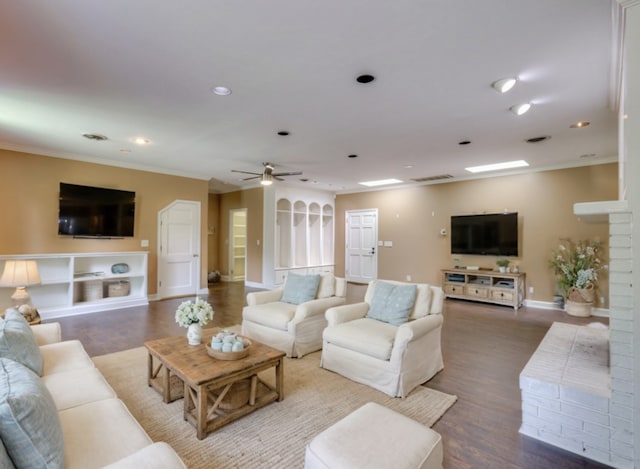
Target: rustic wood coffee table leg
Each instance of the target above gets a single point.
(280, 379)
(165, 377)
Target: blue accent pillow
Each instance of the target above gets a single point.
(392, 303)
(29, 423)
(18, 342)
(300, 288)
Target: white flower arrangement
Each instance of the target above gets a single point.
(576, 264)
(198, 312)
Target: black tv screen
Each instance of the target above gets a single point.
(95, 211)
(493, 234)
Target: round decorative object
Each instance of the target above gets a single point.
(194, 334)
(220, 355)
(120, 268)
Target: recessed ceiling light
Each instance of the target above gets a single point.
(365, 78)
(464, 142)
(96, 137)
(283, 133)
(380, 182)
(504, 85)
(520, 109)
(588, 155)
(221, 90)
(497, 166)
(125, 150)
(579, 125)
(408, 166)
(141, 141)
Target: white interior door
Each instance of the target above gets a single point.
(361, 245)
(179, 249)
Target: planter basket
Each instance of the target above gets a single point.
(582, 295)
(578, 308)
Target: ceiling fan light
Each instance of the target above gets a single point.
(266, 179)
(520, 109)
(504, 85)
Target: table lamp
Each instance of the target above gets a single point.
(21, 274)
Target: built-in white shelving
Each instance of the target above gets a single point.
(83, 282)
(303, 234)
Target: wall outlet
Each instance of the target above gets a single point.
(531, 290)
(408, 278)
(602, 300)
(144, 243)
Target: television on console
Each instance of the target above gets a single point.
(492, 234)
(86, 211)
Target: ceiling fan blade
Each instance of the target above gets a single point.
(246, 172)
(292, 173)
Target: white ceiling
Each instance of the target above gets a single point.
(129, 68)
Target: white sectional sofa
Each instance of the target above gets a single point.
(67, 415)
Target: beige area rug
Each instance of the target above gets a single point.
(274, 436)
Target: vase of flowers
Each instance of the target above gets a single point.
(193, 315)
(576, 266)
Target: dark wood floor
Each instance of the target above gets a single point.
(485, 347)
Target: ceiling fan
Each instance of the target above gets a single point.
(267, 176)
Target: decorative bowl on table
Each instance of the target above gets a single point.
(228, 346)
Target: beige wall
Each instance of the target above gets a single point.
(412, 219)
(252, 200)
(29, 207)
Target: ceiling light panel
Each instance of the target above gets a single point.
(497, 166)
(380, 182)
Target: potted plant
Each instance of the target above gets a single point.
(502, 264)
(576, 266)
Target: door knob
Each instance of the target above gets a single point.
(373, 251)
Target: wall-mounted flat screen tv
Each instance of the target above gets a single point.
(491, 234)
(87, 211)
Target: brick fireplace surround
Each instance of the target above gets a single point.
(577, 389)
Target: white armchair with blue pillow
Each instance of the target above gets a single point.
(292, 318)
(391, 341)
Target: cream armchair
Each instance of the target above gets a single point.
(285, 320)
(393, 358)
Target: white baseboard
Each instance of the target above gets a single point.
(599, 312)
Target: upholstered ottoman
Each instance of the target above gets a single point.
(375, 437)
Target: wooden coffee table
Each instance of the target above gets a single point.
(207, 380)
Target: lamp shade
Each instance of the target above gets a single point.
(20, 273)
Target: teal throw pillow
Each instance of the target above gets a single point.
(29, 423)
(392, 303)
(18, 342)
(300, 288)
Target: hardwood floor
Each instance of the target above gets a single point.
(484, 346)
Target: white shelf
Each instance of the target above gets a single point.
(61, 292)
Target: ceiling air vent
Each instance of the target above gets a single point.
(432, 178)
(97, 137)
(538, 139)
